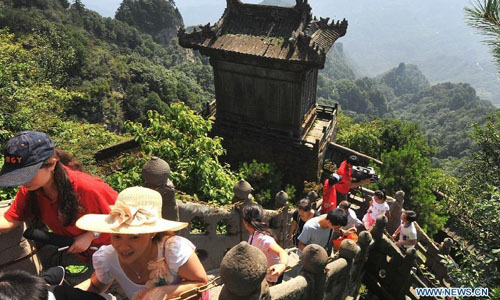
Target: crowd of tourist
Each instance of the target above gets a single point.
(124, 239)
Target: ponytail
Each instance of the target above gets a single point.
(253, 215)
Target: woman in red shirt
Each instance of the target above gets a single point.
(52, 190)
(346, 184)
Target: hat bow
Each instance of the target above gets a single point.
(122, 213)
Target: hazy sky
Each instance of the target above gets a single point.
(382, 33)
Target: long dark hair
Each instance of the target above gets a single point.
(253, 214)
(67, 198)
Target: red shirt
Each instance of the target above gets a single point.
(344, 186)
(329, 196)
(95, 196)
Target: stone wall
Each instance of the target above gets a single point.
(213, 245)
(16, 252)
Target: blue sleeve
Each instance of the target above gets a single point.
(305, 235)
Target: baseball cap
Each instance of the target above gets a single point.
(24, 154)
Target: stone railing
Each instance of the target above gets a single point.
(244, 267)
(222, 228)
(428, 252)
(374, 259)
(214, 229)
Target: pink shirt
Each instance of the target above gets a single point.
(263, 242)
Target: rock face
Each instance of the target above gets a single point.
(243, 270)
(159, 18)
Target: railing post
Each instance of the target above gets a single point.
(242, 190)
(364, 241)
(243, 271)
(281, 202)
(445, 246)
(378, 230)
(155, 175)
(314, 260)
(396, 210)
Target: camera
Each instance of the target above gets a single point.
(359, 173)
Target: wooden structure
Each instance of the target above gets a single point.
(266, 61)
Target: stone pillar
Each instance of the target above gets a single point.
(242, 190)
(364, 241)
(396, 210)
(13, 246)
(314, 260)
(243, 271)
(281, 201)
(313, 197)
(405, 274)
(378, 230)
(349, 251)
(155, 175)
(445, 246)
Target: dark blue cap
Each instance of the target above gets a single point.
(24, 154)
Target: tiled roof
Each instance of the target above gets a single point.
(282, 33)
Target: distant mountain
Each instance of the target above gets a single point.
(158, 18)
(444, 111)
(405, 79)
(431, 34)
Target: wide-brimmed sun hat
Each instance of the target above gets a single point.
(137, 211)
(24, 154)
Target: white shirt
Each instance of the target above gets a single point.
(51, 296)
(107, 266)
(408, 233)
(378, 209)
(352, 219)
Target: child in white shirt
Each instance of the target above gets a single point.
(378, 207)
(407, 231)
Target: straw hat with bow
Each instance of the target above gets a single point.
(137, 211)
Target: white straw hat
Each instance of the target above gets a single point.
(137, 210)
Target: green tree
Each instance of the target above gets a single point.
(409, 170)
(180, 137)
(403, 149)
(266, 181)
(29, 101)
(475, 207)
